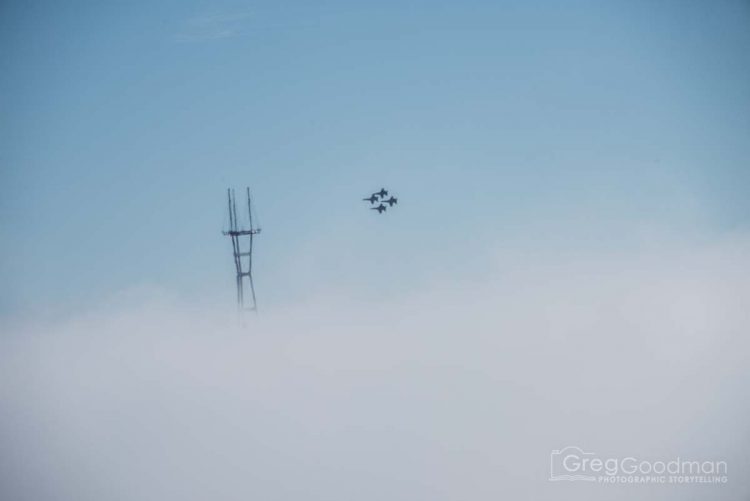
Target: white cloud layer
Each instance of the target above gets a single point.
(457, 392)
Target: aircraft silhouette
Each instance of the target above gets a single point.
(380, 208)
(372, 199)
(391, 201)
(382, 193)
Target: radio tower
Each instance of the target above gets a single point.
(244, 269)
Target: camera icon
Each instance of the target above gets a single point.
(571, 463)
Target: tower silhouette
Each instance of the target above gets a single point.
(244, 268)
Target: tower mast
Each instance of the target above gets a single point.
(244, 268)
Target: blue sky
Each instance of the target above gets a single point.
(560, 124)
(568, 264)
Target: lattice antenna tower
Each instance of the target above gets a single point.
(244, 266)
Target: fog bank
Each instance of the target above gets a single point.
(459, 391)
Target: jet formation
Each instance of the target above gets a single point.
(379, 196)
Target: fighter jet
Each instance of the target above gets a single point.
(372, 199)
(382, 193)
(391, 201)
(380, 208)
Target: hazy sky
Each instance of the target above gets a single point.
(554, 123)
(568, 265)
